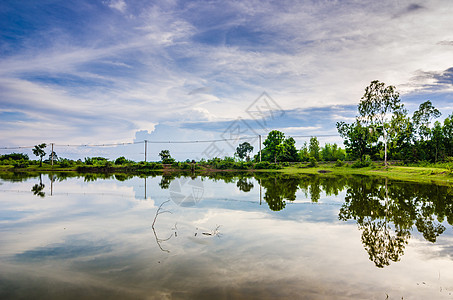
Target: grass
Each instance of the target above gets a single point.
(415, 174)
(405, 173)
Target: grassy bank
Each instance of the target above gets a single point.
(414, 174)
(404, 173)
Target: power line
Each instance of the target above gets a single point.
(165, 142)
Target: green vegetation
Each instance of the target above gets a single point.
(383, 130)
(244, 150)
(38, 150)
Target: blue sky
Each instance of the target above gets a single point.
(90, 72)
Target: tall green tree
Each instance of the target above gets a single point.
(422, 118)
(376, 106)
(313, 147)
(244, 150)
(357, 139)
(304, 155)
(279, 148)
(401, 133)
(437, 141)
(274, 144)
(38, 150)
(289, 152)
(447, 130)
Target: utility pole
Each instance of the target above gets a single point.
(52, 153)
(146, 146)
(260, 146)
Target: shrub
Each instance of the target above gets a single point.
(170, 160)
(312, 162)
(122, 160)
(65, 163)
(365, 162)
(339, 163)
(266, 165)
(22, 163)
(14, 156)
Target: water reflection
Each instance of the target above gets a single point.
(386, 212)
(101, 231)
(38, 188)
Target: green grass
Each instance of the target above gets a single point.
(430, 174)
(417, 174)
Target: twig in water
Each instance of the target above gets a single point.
(158, 240)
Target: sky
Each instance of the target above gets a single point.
(124, 71)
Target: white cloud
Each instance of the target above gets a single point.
(119, 5)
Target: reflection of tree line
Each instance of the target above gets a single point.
(281, 187)
(385, 211)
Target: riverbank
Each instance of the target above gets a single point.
(413, 174)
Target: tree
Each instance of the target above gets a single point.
(437, 141)
(448, 135)
(38, 150)
(375, 106)
(277, 148)
(244, 150)
(313, 147)
(422, 119)
(289, 152)
(401, 133)
(166, 157)
(274, 144)
(304, 155)
(357, 139)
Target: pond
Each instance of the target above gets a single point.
(224, 236)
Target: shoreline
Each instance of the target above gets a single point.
(403, 173)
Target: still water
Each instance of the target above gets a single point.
(224, 237)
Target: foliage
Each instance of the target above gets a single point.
(166, 157)
(313, 162)
(38, 150)
(377, 103)
(313, 148)
(266, 165)
(14, 156)
(331, 152)
(277, 148)
(95, 161)
(382, 116)
(339, 163)
(304, 154)
(244, 150)
(362, 163)
(422, 119)
(358, 139)
(65, 163)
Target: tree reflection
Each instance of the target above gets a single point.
(166, 180)
(387, 211)
(244, 185)
(281, 188)
(38, 188)
(381, 243)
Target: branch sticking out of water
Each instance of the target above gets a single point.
(158, 240)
